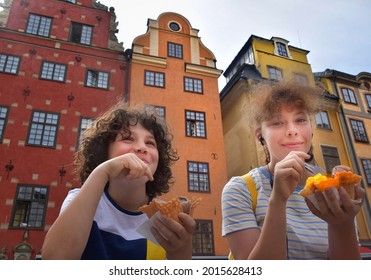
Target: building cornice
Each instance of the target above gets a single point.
(149, 60)
(202, 70)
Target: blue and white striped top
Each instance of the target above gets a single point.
(306, 233)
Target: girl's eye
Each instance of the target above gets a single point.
(276, 123)
(301, 120)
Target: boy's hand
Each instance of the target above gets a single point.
(129, 166)
(174, 237)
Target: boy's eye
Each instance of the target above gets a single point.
(152, 143)
(127, 139)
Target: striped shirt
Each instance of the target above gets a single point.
(306, 233)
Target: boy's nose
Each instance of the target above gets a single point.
(140, 147)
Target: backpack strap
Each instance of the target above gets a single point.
(254, 197)
(252, 189)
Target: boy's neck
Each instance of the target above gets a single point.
(129, 196)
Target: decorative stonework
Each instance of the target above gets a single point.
(4, 14)
(113, 43)
(98, 5)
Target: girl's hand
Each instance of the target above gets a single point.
(174, 237)
(337, 212)
(288, 173)
(129, 166)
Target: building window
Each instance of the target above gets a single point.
(97, 79)
(155, 79)
(322, 120)
(249, 56)
(39, 25)
(174, 50)
(195, 124)
(3, 120)
(29, 207)
(81, 33)
(281, 49)
(203, 238)
(275, 73)
(366, 163)
(193, 85)
(9, 64)
(84, 124)
(174, 26)
(330, 157)
(198, 176)
(359, 131)
(43, 129)
(53, 71)
(348, 95)
(368, 100)
(160, 110)
(301, 79)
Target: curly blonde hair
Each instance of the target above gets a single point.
(93, 149)
(267, 98)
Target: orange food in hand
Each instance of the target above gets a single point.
(346, 179)
(172, 207)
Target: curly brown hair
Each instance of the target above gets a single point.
(93, 149)
(267, 98)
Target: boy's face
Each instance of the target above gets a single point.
(141, 143)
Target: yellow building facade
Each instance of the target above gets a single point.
(354, 115)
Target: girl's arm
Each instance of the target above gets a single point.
(270, 243)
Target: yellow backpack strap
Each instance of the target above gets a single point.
(254, 197)
(252, 189)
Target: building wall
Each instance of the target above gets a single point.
(24, 92)
(265, 56)
(333, 82)
(150, 53)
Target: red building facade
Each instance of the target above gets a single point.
(60, 67)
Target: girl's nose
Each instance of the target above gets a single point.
(292, 130)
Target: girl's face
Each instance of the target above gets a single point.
(289, 130)
(141, 142)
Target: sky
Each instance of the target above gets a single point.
(336, 33)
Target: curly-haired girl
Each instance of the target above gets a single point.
(283, 225)
(123, 162)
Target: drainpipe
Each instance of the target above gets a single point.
(128, 54)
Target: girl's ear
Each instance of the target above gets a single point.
(259, 136)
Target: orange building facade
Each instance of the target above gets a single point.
(60, 67)
(173, 71)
